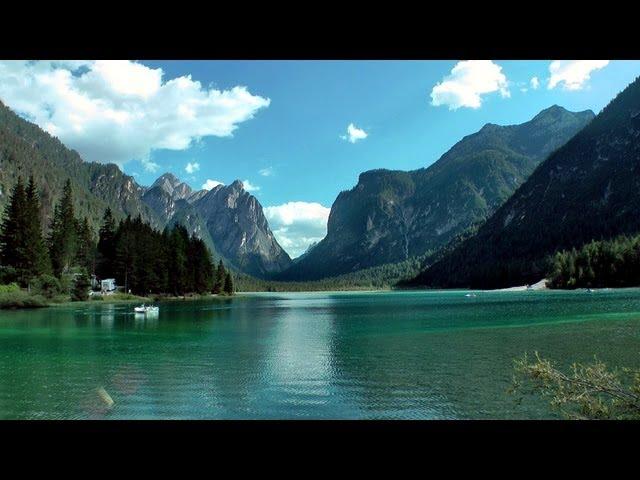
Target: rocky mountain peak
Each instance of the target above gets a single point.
(391, 216)
(166, 179)
(172, 185)
(237, 185)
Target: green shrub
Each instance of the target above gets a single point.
(125, 296)
(66, 283)
(12, 287)
(21, 299)
(81, 287)
(46, 285)
(96, 297)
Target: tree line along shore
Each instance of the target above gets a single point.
(39, 269)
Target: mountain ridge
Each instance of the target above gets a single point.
(393, 215)
(586, 190)
(27, 149)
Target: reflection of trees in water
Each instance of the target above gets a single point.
(206, 359)
(48, 370)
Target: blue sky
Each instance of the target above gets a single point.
(286, 133)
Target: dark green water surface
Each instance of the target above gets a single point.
(397, 355)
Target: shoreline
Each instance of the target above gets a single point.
(540, 285)
(138, 298)
(116, 299)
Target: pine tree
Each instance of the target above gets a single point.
(36, 253)
(124, 255)
(85, 251)
(228, 284)
(180, 241)
(200, 266)
(220, 276)
(106, 246)
(63, 235)
(12, 232)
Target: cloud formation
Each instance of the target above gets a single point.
(296, 225)
(466, 84)
(210, 184)
(249, 187)
(534, 82)
(192, 167)
(354, 134)
(119, 110)
(266, 172)
(573, 74)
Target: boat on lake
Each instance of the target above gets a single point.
(146, 309)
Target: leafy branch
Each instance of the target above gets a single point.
(591, 391)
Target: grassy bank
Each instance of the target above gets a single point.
(21, 299)
(129, 298)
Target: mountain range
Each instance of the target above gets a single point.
(589, 189)
(391, 216)
(488, 213)
(227, 218)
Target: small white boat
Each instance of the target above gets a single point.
(146, 309)
(470, 295)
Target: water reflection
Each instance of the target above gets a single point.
(383, 355)
(387, 368)
(299, 364)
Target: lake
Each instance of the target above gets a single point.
(353, 355)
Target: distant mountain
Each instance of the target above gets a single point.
(240, 231)
(391, 216)
(228, 219)
(306, 252)
(588, 189)
(163, 195)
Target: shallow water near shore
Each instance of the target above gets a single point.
(395, 355)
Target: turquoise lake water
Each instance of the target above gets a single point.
(379, 355)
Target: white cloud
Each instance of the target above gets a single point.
(149, 166)
(266, 172)
(117, 111)
(192, 167)
(466, 84)
(573, 74)
(249, 187)
(354, 134)
(296, 225)
(534, 82)
(209, 184)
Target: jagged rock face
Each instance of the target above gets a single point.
(589, 189)
(195, 196)
(187, 216)
(390, 216)
(228, 219)
(109, 183)
(164, 194)
(237, 225)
